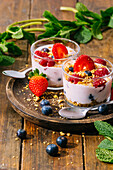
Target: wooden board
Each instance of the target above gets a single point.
(23, 101)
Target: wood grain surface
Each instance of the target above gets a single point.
(30, 154)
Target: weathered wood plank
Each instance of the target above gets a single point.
(34, 150)
(10, 121)
(91, 162)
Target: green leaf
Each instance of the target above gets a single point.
(111, 22)
(52, 18)
(83, 35)
(5, 36)
(96, 30)
(3, 46)
(6, 60)
(1, 59)
(81, 7)
(104, 128)
(104, 155)
(13, 49)
(18, 34)
(106, 144)
(80, 18)
(29, 36)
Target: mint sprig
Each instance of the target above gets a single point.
(105, 148)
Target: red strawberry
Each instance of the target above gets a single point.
(59, 51)
(41, 54)
(99, 82)
(100, 61)
(38, 83)
(47, 62)
(83, 63)
(74, 80)
(101, 72)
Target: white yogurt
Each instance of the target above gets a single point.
(81, 94)
(54, 73)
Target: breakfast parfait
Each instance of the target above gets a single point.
(49, 54)
(87, 80)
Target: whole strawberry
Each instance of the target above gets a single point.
(38, 83)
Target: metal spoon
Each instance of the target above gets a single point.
(78, 112)
(16, 74)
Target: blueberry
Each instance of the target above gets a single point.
(59, 79)
(46, 110)
(71, 69)
(103, 109)
(52, 56)
(44, 102)
(61, 141)
(52, 149)
(88, 73)
(21, 133)
(45, 50)
(91, 97)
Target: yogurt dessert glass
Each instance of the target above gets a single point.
(48, 56)
(87, 80)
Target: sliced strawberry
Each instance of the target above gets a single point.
(99, 82)
(101, 72)
(59, 50)
(74, 79)
(40, 54)
(83, 63)
(100, 61)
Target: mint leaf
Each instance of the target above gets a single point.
(18, 34)
(13, 49)
(81, 7)
(3, 46)
(96, 30)
(1, 58)
(6, 60)
(83, 35)
(29, 36)
(5, 36)
(52, 18)
(104, 128)
(104, 155)
(111, 22)
(106, 144)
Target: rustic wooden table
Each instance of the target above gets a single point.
(31, 154)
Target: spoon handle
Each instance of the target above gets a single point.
(25, 71)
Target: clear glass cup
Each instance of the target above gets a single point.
(53, 73)
(84, 92)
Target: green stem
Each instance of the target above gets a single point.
(68, 9)
(34, 29)
(31, 23)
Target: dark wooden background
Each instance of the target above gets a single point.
(30, 154)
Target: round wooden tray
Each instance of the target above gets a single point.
(23, 102)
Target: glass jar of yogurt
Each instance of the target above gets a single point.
(87, 80)
(44, 59)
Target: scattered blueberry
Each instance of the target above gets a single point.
(52, 149)
(91, 97)
(21, 133)
(71, 69)
(44, 102)
(103, 109)
(59, 79)
(45, 50)
(88, 73)
(61, 141)
(46, 110)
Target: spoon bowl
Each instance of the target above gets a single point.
(78, 112)
(16, 74)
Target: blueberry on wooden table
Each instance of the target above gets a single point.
(52, 149)
(61, 141)
(103, 109)
(21, 133)
(44, 102)
(46, 110)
